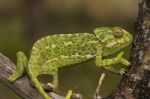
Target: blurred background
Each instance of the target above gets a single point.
(22, 22)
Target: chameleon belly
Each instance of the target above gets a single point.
(63, 50)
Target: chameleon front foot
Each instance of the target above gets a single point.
(122, 71)
(13, 77)
(125, 62)
(21, 63)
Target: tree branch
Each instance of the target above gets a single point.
(22, 86)
(136, 82)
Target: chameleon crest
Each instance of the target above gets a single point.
(57, 51)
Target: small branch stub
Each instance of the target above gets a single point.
(97, 93)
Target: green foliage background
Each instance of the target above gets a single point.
(22, 22)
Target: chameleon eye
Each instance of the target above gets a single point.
(117, 32)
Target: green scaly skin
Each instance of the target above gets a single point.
(57, 51)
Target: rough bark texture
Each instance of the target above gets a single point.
(136, 82)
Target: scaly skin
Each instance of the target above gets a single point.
(57, 51)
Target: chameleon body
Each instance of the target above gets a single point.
(57, 51)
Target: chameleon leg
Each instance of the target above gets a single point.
(37, 84)
(21, 64)
(106, 62)
(55, 79)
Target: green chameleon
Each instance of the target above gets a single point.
(57, 51)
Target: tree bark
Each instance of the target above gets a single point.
(135, 84)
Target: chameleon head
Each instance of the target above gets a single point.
(113, 39)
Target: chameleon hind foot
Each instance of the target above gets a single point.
(13, 77)
(50, 85)
(54, 83)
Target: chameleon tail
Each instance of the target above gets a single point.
(38, 86)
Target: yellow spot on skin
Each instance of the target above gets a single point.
(88, 56)
(111, 44)
(120, 41)
(77, 34)
(90, 42)
(54, 35)
(33, 48)
(62, 56)
(69, 34)
(51, 60)
(77, 54)
(47, 47)
(38, 56)
(61, 35)
(55, 59)
(68, 43)
(54, 45)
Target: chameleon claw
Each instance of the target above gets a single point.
(125, 62)
(122, 71)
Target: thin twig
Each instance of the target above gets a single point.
(97, 93)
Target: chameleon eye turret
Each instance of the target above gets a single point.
(122, 36)
(101, 32)
(117, 32)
